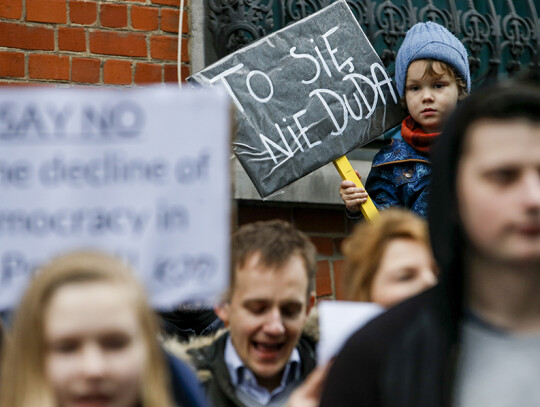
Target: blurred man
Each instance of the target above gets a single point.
(264, 354)
(474, 340)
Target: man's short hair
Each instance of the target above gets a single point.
(275, 242)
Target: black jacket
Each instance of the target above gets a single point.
(401, 359)
(407, 356)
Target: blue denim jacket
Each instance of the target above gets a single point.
(400, 176)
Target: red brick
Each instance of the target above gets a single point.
(113, 15)
(170, 73)
(46, 11)
(147, 73)
(11, 9)
(114, 43)
(185, 72)
(85, 70)
(252, 213)
(83, 12)
(320, 220)
(324, 245)
(117, 72)
(137, 1)
(185, 50)
(168, 2)
(71, 39)
(323, 281)
(338, 266)
(48, 67)
(27, 37)
(169, 20)
(165, 47)
(11, 64)
(144, 18)
(185, 22)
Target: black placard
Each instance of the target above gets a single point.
(305, 95)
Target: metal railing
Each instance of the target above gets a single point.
(502, 37)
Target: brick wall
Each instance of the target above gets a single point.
(94, 42)
(326, 226)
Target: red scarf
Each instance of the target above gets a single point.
(417, 138)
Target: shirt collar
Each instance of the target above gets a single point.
(239, 372)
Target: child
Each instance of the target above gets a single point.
(432, 74)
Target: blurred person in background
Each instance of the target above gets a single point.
(386, 261)
(474, 339)
(266, 350)
(84, 335)
(389, 259)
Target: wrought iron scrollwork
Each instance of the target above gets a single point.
(236, 23)
(500, 40)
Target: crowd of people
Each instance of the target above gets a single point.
(460, 288)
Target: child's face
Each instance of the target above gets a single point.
(95, 352)
(430, 99)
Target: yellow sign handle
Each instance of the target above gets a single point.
(346, 171)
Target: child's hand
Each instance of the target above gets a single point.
(352, 196)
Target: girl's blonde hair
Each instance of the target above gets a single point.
(365, 248)
(23, 381)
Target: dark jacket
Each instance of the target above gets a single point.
(400, 176)
(407, 356)
(187, 391)
(400, 359)
(212, 370)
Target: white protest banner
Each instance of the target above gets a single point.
(305, 95)
(338, 320)
(141, 173)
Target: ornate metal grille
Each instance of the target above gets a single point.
(502, 37)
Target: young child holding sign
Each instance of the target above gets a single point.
(432, 74)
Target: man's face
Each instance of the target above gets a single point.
(266, 314)
(430, 99)
(498, 188)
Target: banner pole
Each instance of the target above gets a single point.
(347, 172)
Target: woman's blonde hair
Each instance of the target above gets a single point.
(365, 248)
(23, 380)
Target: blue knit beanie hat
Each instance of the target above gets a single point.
(431, 40)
